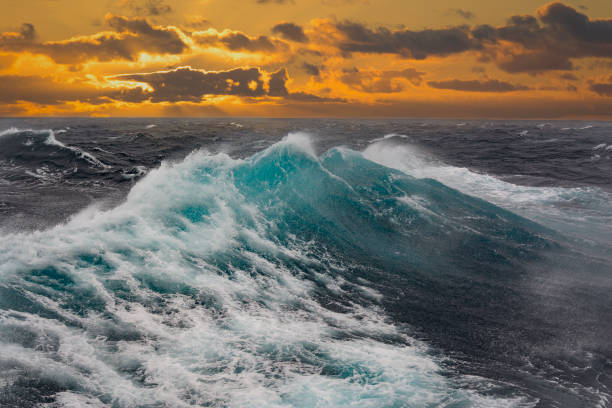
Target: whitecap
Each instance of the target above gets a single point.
(90, 158)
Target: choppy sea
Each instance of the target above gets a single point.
(305, 263)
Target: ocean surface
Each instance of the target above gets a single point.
(305, 263)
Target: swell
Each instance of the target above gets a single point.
(582, 212)
(284, 279)
(38, 155)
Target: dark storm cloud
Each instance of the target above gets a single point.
(380, 81)
(131, 36)
(602, 89)
(535, 62)
(564, 20)
(16, 41)
(547, 41)
(277, 84)
(291, 32)
(407, 43)
(237, 41)
(311, 69)
(466, 14)
(148, 7)
(492, 85)
(550, 41)
(47, 91)
(188, 84)
(183, 84)
(569, 77)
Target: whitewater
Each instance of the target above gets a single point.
(301, 272)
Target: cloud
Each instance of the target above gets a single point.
(602, 88)
(466, 14)
(492, 85)
(184, 85)
(147, 7)
(277, 84)
(15, 41)
(545, 60)
(564, 20)
(238, 41)
(406, 43)
(547, 41)
(372, 81)
(189, 84)
(198, 22)
(526, 43)
(130, 37)
(307, 97)
(291, 32)
(311, 69)
(569, 76)
(48, 91)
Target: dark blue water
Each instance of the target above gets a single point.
(303, 263)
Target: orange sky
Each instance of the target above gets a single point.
(440, 58)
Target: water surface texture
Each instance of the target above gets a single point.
(305, 263)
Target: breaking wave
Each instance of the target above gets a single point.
(248, 282)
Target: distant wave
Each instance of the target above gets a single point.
(51, 140)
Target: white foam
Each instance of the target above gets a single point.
(90, 158)
(548, 205)
(388, 136)
(69, 399)
(298, 140)
(135, 172)
(10, 131)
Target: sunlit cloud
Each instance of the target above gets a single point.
(146, 56)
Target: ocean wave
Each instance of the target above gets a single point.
(233, 282)
(549, 205)
(51, 140)
(88, 157)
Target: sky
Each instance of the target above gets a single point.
(307, 58)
